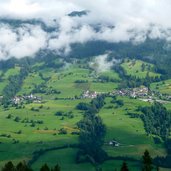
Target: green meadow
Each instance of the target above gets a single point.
(139, 68)
(34, 126)
(163, 87)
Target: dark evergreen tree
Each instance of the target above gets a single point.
(92, 132)
(124, 167)
(44, 168)
(22, 166)
(157, 120)
(147, 161)
(56, 168)
(8, 167)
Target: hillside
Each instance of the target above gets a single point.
(42, 115)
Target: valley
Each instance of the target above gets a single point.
(40, 122)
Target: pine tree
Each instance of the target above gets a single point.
(147, 161)
(91, 139)
(22, 166)
(44, 168)
(8, 167)
(124, 167)
(56, 168)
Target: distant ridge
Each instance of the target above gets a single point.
(78, 13)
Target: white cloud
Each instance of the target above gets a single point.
(21, 42)
(132, 20)
(22, 8)
(100, 63)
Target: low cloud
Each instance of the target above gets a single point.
(24, 41)
(117, 21)
(101, 64)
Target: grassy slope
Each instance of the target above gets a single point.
(6, 75)
(29, 83)
(134, 69)
(163, 87)
(30, 136)
(64, 81)
(126, 130)
(67, 162)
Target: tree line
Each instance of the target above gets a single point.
(146, 165)
(23, 166)
(129, 81)
(157, 120)
(14, 85)
(92, 132)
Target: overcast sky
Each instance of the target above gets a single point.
(132, 20)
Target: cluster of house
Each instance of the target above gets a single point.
(131, 92)
(90, 94)
(135, 92)
(31, 97)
